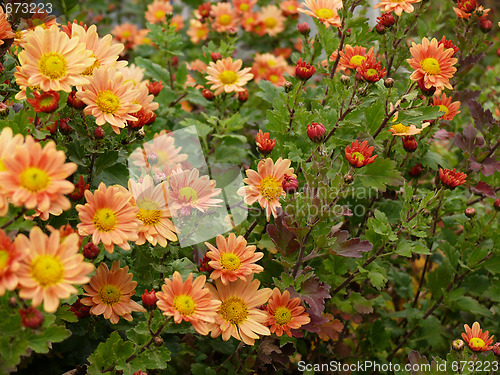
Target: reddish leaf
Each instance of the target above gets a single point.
(464, 96)
(271, 356)
(483, 118)
(330, 329)
(352, 248)
(484, 188)
(283, 235)
(468, 140)
(443, 134)
(313, 293)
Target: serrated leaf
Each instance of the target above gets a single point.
(380, 174)
(41, 343)
(113, 352)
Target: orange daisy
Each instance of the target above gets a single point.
(225, 17)
(266, 64)
(326, 11)
(109, 99)
(272, 19)
(285, 314)
(10, 258)
(36, 177)
(157, 11)
(8, 143)
(239, 314)
(244, 6)
(432, 63)
(188, 191)
(250, 21)
(445, 105)
(352, 57)
(142, 38)
(178, 22)
(153, 212)
(53, 61)
(232, 258)
(197, 31)
(188, 301)
(5, 29)
(226, 76)
(477, 340)
(265, 185)
(125, 33)
(108, 216)
(38, 19)
(50, 267)
(290, 7)
(397, 6)
(110, 292)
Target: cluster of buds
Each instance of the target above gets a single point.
(384, 21)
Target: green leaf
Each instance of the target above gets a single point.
(106, 160)
(11, 352)
(41, 343)
(113, 352)
(151, 359)
(379, 174)
(157, 72)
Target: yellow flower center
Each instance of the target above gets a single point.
(274, 78)
(359, 156)
(444, 109)
(47, 270)
(270, 188)
(105, 219)
(271, 63)
(324, 13)
(430, 66)
(225, 19)
(228, 77)
(4, 258)
(234, 310)
(244, 7)
(250, 20)
(400, 128)
(476, 342)
(52, 65)
(184, 304)
(282, 315)
(110, 294)
(126, 34)
(34, 179)
(188, 194)
(149, 212)
(90, 69)
(146, 41)
(230, 261)
(292, 7)
(357, 60)
(270, 22)
(107, 102)
(2, 165)
(371, 72)
(159, 14)
(201, 33)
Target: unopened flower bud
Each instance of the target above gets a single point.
(99, 133)
(12, 302)
(215, 56)
(64, 128)
(31, 318)
(425, 212)
(303, 70)
(288, 86)
(290, 184)
(243, 96)
(348, 178)
(4, 109)
(139, 372)
(380, 28)
(496, 349)
(155, 87)
(316, 132)
(158, 341)
(485, 24)
(207, 94)
(153, 158)
(388, 82)
(304, 28)
(386, 19)
(90, 251)
(149, 299)
(74, 102)
(159, 177)
(470, 212)
(233, 31)
(458, 345)
(410, 144)
(496, 204)
(345, 79)
(141, 133)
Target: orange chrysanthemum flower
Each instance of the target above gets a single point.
(225, 17)
(267, 64)
(371, 70)
(284, 314)
(239, 315)
(5, 29)
(50, 267)
(197, 31)
(352, 57)
(109, 99)
(36, 177)
(445, 105)
(244, 6)
(272, 19)
(359, 154)
(452, 178)
(264, 143)
(153, 212)
(188, 301)
(157, 11)
(110, 293)
(10, 257)
(8, 143)
(125, 33)
(326, 11)
(477, 340)
(290, 7)
(226, 76)
(397, 6)
(178, 22)
(53, 61)
(432, 63)
(232, 258)
(265, 185)
(188, 191)
(108, 216)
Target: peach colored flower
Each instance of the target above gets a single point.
(153, 212)
(50, 267)
(8, 143)
(264, 186)
(225, 17)
(142, 38)
(403, 130)
(125, 34)
(134, 74)
(188, 301)
(285, 313)
(352, 57)
(239, 315)
(108, 216)
(53, 61)
(178, 22)
(249, 21)
(477, 340)
(39, 18)
(226, 76)
(397, 6)
(5, 29)
(157, 11)
(197, 31)
(10, 256)
(35, 176)
(272, 19)
(432, 63)
(326, 11)
(244, 6)
(290, 7)
(110, 292)
(109, 99)
(232, 258)
(445, 105)
(267, 64)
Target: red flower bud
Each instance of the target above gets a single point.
(215, 56)
(470, 212)
(52, 128)
(204, 266)
(410, 144)
(4, 109)
(243, 96)
(99, 133)
(496, 204)
(304, 70)
(496, 349)
(64, 128)
(207, 94)
(290, 184)
(264, 143)
(426, 91)
(386, 19)
(416, 170)
(485, 24)
(74, 102)
(90, 251)
(316, 132)
(31, 318)
(155, 87)
(79, 191)
(175, 61)
(467, 5)
(149, 299)
(452, 178)
(304, 28)
(380, 28)
(80, 310)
